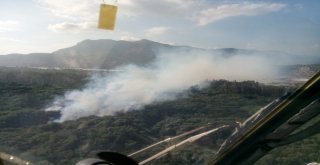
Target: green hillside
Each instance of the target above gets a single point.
(28, 132)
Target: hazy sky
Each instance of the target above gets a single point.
(47, 25)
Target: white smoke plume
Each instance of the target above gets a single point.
(170, 74)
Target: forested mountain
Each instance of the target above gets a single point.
(109, 54)
(106, 54)
(28, 132)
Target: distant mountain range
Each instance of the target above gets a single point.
(108, 54)
(104, 54)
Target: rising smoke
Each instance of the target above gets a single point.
(169, 75)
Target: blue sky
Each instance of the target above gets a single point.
(291, 26)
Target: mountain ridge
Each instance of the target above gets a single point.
(109, 54)
(105, 54)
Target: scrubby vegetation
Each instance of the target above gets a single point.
(27, 131)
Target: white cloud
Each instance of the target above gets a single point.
(129, 38)
(9, 26)
(202, 12)
(167, 42)
(156, 31)
(71, 27)
(71, 9)
(8, 39)
(88, 9)
(217, 13)
(164, 8)
(76, 15)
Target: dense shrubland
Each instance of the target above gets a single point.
(28, 131)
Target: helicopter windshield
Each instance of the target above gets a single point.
(161, 82)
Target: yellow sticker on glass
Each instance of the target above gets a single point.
(107, 16)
